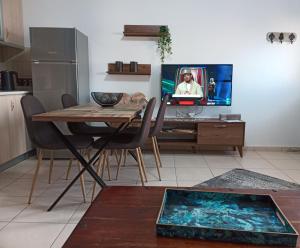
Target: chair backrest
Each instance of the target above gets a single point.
(144, 130)
(160, 117)
(69, 101)
(40, 133)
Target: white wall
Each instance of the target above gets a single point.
(266, 86)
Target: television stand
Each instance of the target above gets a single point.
(202, 134)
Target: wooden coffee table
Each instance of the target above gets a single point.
(126, 216)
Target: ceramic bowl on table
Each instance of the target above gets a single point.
(106, 99)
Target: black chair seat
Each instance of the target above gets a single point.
(87, 130)
(119, 142)
(80, 142)
(133, 130)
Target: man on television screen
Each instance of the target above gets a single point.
(189, 86)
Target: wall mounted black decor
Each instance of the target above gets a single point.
(281, 37)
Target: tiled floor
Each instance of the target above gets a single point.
(23, 225)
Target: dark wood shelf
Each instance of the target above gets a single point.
(143, 69)
(142, 30)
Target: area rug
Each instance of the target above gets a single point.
(245, 179)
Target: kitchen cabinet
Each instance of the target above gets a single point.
(11, 29)
(12, 22)
(14, 139)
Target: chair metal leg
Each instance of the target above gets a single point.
(51, 167)
(116, 156)
(39, 161)
(81, 181)
(119, 163)
(108, 166)
(156, 158)
(140, 166)
(69, 168)
(99, 167)
(143, 164)
(157, 151)
(125, 157)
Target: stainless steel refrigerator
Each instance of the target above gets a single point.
(60, 64)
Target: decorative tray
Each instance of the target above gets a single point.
(229, 217)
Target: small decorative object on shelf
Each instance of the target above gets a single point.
(164, 42)
(133, 66)
(119, 66)
(281, 37)
(139, 69)
(271, 37)
(292, 37)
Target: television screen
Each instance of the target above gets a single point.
(202, 85)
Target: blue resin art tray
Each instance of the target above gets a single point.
(230, 217)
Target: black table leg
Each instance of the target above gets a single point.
(86, 165)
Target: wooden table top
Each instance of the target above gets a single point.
(125, 217)
(91, 113)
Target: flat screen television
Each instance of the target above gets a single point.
(197, 84)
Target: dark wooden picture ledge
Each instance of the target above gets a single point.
(143, 69)
(142, 30)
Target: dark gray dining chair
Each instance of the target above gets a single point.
(154, 131)
(44, 137)
(130, 141)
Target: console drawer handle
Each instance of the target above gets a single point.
(220, 126)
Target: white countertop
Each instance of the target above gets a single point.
(14, 92)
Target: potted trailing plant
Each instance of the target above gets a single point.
(164, 43)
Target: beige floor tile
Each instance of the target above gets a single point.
(255, 163)
(11, 207)
(250, 154)
(294, 174)
(55, 189)
(127, 173)
(33, 235)
(19, 170)
(79, 212)
(22, 188)
(222, 162)
(286, 164)
(295, 155)
(2, 225)
(184, 161)
(217, 172)
(63, 236)
(37, 211)
(166, 160)
(167, 174)
(5, 181)
(193, 174)
(275, 154)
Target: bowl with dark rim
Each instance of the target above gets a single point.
(105, 99)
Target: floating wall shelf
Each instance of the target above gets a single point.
(143, 69)
(142, 30)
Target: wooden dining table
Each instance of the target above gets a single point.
(120, 115)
